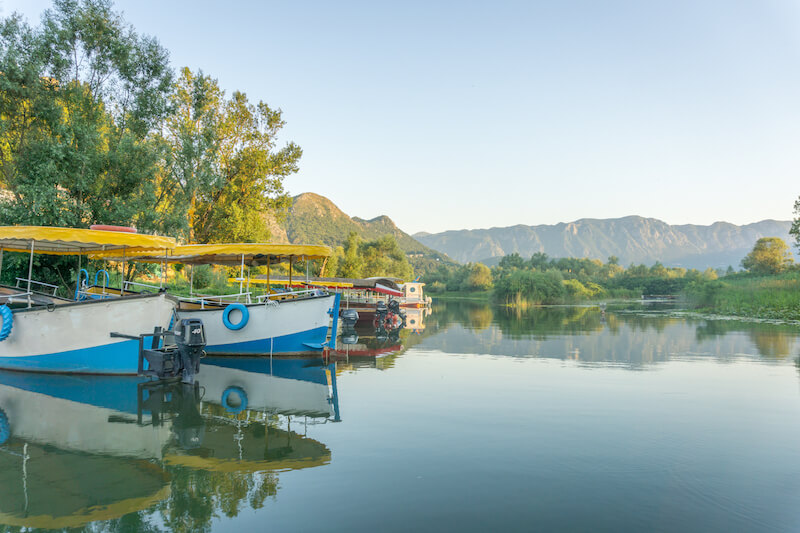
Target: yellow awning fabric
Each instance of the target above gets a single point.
(255, 254)
(73, 241)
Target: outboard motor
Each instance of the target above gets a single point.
(349, 334)
(381, 310)
(190, 337)
(349, 317)
(179, 360)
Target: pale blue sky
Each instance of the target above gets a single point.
(450, 115)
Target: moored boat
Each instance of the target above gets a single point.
(285, 323)
(46, 333)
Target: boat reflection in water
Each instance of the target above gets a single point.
(80, 449)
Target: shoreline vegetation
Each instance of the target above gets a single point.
(768, 289)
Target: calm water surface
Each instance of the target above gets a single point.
(560, 419)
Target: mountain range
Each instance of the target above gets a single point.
(314, 219)
(632, 239)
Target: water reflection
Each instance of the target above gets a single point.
(75, 450)
(590, 334)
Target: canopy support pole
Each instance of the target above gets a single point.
(241, 276)
(291, 260)
(248, 284)
(78, 277)
(306, 260)
(122, 285)
(30, 273)
(269, 287)
(191, 280)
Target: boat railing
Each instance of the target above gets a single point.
(17, 297)
(218, 299)
(291, 294)
(87, 294)
(46, 286)
(128, 284)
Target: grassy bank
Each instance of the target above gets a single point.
(747, 295)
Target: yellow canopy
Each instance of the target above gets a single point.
(73, 241)
(255, 254)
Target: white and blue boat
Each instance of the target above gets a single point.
(42, 332)
(293, 322)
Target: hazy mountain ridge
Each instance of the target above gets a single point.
(314, 219)
(633, 239)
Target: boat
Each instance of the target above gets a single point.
(43, 332)
(276, 323)
(369, 297)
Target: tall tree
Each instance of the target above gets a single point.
(224, 162)
(770, 255)
(795, 229)
(81, 96)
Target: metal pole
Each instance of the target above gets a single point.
(78, 277)
(241, 276)
(191, 280)
(306, 260)
(269, 262)
(30, 273)
(291, 260)
(122, 285)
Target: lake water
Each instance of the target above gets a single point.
(481, 418)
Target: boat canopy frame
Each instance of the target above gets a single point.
(98, 244)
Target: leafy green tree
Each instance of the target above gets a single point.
(352, 264)
(80, 97)
(383, 257)
(512, 261)
(479, 278)
(223, 161)
(795, 229)
(770, 255)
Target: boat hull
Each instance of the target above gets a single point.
(76, 338)
(298, 326)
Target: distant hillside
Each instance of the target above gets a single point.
(314, 219)
(633, 239)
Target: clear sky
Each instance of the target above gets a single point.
(451, 115)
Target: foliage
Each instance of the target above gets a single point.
(381, 257)
(81, 96)
(222, 161)
(520, 281)
(761, 296)
(770, 255)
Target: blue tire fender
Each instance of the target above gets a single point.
(234, 409)
(8, 322)
(227, 320)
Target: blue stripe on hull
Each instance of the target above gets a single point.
(112, 392)
(117, 358)
(311, 369)
(287, 344)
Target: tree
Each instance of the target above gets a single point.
(770, 255)
(479, 278)
(383, 257)
(351, 265)
(223, 161)
(795, 229)
(512, 261)
(80, 98)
